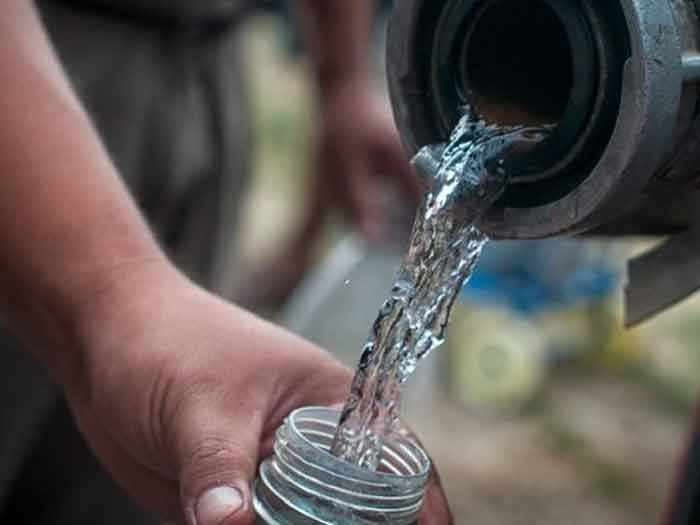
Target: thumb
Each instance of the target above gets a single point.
(217, 459)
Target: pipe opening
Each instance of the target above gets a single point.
(518, 63)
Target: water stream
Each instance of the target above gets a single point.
(464, 178)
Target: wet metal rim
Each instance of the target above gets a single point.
(452, 86)
(641, 120)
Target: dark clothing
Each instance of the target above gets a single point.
(191, 10)
(169, 102)
(168, 99)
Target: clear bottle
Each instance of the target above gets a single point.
(304, 484)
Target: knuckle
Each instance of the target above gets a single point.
(217, 459)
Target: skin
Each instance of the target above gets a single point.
(356, 142)
(175, 390)
(356, 147)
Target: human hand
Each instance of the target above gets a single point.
(357, 146)
(357, 155)
(183, 393)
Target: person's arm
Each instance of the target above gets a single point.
(178, 393)
(338, 39)
(357, 140)
(68, 230)
(356, 145)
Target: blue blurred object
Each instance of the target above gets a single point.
(531, 276)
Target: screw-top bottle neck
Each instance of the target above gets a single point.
(304, 483)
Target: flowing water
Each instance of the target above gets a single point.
(464, 178)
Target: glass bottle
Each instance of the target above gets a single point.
(304, 484)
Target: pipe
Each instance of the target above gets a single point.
(617, 78)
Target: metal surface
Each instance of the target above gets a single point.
(662, 277)
(629, 123)
(625, 154)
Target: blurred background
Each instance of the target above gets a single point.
(539, 409)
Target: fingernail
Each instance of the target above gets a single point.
(217, 504)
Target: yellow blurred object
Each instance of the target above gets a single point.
(591, 333)
(622, 349)
(495, 358)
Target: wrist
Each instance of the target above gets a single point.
(98, 317)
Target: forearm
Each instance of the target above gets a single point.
(68, 230)
(338, 35)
